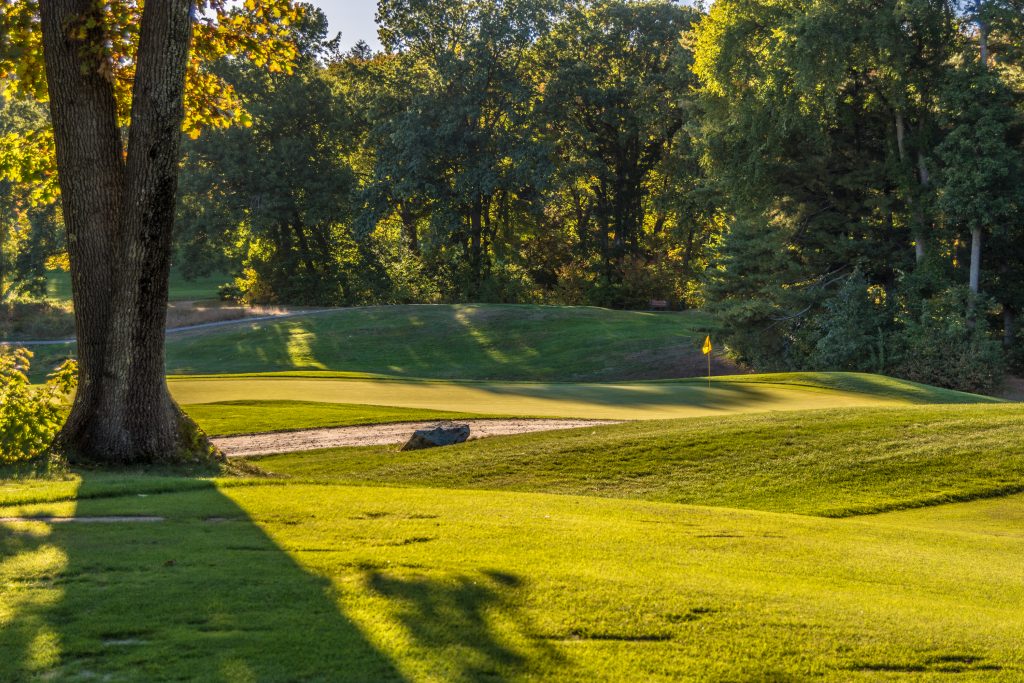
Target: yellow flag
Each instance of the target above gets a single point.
(707, 345)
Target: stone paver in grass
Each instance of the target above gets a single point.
(82, 520)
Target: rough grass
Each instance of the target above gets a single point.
(58, 286)
(276, 582)
(54, 318)
(36, 320)
(188, 313)
(830, 463)
(500, 342)
(49, 321)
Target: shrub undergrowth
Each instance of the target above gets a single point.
(30, 416)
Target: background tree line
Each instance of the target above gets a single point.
(526, 150)
(868, 156)
(840, 182)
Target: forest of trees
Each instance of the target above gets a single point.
(840, 183)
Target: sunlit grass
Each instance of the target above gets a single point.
(285, 582)
(617, 401)
(831, 463)
(300, 349)
(681, 560)
(29, 560)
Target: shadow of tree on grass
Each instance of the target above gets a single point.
(208, 594)
(203, 595)
(471, 622)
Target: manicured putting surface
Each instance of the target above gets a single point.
(634, 401)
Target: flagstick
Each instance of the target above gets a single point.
(707, 349)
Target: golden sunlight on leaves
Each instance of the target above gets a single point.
(59, 262)
(109, 37)
(27, 161)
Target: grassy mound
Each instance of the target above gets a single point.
(267, 581)
(878, 386)
(543, 343)
(829, 463)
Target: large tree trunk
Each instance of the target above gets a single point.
(917, 215)
(476, 242)
(119, 213)
(409, 229)
(975, 278)
(1009, 326)
(924, 178)
(89, 152)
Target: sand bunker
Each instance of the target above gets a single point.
(380, 434)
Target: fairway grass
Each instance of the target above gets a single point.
(614, 401)
(1000, 516)
(274, 582)
(832, 463)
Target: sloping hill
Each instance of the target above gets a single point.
(829, 462)
(497, 342)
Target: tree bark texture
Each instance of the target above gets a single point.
(409, 229)
(1009, 326)
(119, 211)
(916, 213)
(924, 178)
(476, 242)
(975, 278)
(89, 152)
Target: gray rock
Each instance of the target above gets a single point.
(444, 434)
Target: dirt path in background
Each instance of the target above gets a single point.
(1013, 389)
(244, 318)
(380, 434)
